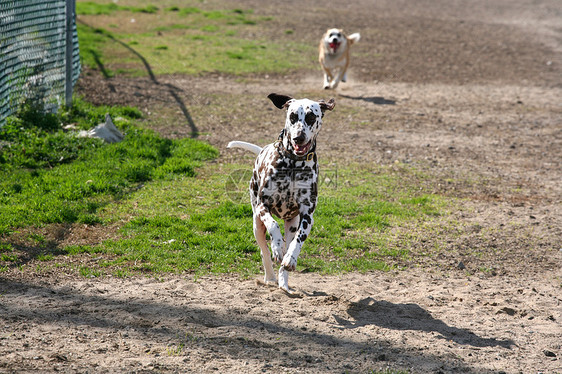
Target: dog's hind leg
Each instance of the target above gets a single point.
(259, 233)
(277, 243)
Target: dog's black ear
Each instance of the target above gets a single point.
(280, 101)
(327, 105)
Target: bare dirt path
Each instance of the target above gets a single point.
(468, 93)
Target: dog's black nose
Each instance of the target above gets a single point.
(300, 138)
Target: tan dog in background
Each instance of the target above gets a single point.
(334, 56)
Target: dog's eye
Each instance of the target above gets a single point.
(310, 118)
(293, 118)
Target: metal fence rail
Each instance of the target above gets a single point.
(33, 53)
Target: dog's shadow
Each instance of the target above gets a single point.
(378, 100)
(385, 314)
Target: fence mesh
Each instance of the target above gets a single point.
(33, 54)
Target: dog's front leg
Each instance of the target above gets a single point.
(327, 78)
(294, 248)
(337, 79)
(291, 227)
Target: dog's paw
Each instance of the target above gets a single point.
(267, 282)
(289, 263)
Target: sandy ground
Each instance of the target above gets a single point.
(469, 94)
(416, 320)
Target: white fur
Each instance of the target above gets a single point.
(244, 145)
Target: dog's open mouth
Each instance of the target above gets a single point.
(301, 149)
(334, 45)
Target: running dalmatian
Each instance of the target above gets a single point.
(284, 184)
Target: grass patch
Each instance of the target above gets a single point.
(93, 8)
(178, 213)
(89, 8)
(48, 175)
(192, 225)
(198, 41)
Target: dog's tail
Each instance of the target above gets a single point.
(354, 38)
(247, 146)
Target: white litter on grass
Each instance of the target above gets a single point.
(106, 131)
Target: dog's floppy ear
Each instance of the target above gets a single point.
(280, 101)
(327, 105)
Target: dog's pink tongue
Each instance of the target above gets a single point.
(334, 45)
(301, 148)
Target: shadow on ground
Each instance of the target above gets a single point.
(256, 337)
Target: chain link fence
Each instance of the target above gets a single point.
(33, 54)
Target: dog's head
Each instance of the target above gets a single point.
(303, 123)
(334, 40)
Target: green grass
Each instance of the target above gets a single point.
(193, 225)
(48, 175)
(197, 41)
(176, 211)
(101, 8)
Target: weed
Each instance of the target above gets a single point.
(45, 257)
(147, 9)
(85, 271)
(9, 258)
(6, 247)
(176, 350)
(120, 273)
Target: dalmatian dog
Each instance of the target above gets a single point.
(284, 184)
(334, 56)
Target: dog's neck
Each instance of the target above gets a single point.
(286, 148)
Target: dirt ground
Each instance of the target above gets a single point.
(468, 93)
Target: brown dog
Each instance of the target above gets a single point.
(334, 56)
